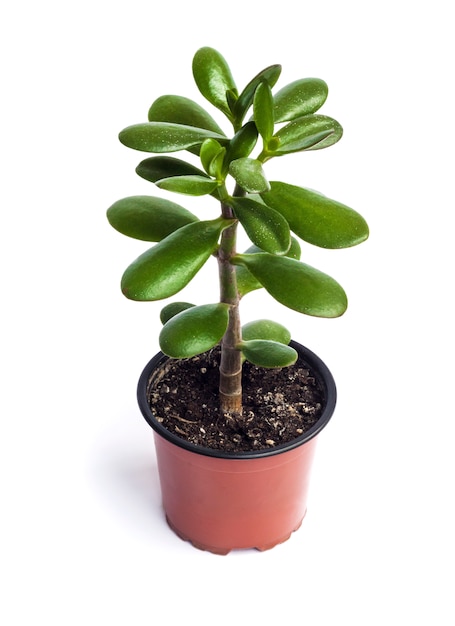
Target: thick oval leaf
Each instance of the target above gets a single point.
(265, 353)
(208, 152)
(249, 175)
(189, 185)
(173, 309)
(231, 98)
(158, 167)
(194, 331)
(182, 111)
(302, 97)
(213, 78)
(165, 136)
(212, 157)
(316, 219)
(265, 329)
(266, 228)
(246, 282)
(263, 111)
(270, 75)
(169, 266)
(243, 142)
(148, 218)
(217, 166)
(311, 132)
(296, 285)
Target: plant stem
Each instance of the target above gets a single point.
(231, 358)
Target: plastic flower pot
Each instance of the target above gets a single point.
(223, 501)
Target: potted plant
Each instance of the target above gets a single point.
(235, 408)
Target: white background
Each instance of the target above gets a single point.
(82, 537)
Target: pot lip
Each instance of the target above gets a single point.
(305, 355)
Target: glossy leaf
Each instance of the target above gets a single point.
(182, 111)
(311, 132)
(212, 156)
(148, 218)
(296, 285)
(265, 353)
(246, 282)
(194, 331)
(165, 136)
(243, 142)
(249, 175)
(265, 329)
(213, 78)
(316, 218)
(231, 98)
(302, 97)
(263, 111)
(173, 309)
(190, 185)
(217, 166)
(209, 150)
(294, 251)
(166, 268)
(265, 227)
(269, 75)
(158, 167)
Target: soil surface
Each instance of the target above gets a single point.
(278, 404)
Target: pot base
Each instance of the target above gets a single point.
(224, 551)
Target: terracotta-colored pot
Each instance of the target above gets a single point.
(220, 501)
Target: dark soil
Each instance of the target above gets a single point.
(278, 404)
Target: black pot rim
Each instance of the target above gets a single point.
(306, 356)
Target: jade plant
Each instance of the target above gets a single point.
(229, 169)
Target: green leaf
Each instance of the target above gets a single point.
(209, 151)
(296, 285)
(231, 98)
(302, 97)
(212, 156)
(270, 75)
(194, 331)
(165, 136)
(243, 142)
(249, 175)
(182, 111)
(169, 266)
(246, 282)
(190, 185)
(217, 166)
(263, 111)
(148, 218)
(315, 218)
(265, 227)
(173, 309)
(294, 251)
(265, 329)
(213, 78)
(158, 167)
(265, 353)
(312, 132)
